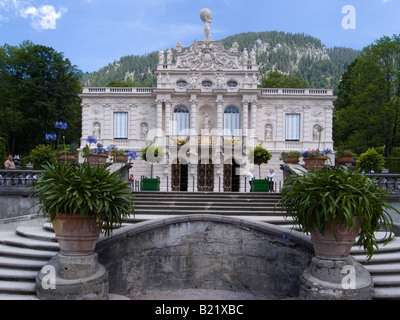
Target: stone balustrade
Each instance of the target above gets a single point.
(18, 178)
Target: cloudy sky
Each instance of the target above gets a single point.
(93, 33)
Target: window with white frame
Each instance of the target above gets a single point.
(292, 127)
(120, 125)
(231, 121)
(181, 121)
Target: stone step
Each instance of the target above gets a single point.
(10, 251)
(17, 274)
(386, 293)
(188, 211)
(392, 280)
(19, 297)
(22, 263)
(383, 268)
(393, 245)
(36, 233)
(377, 258)
(22, 287)
(23, 242)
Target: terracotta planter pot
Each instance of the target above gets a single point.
(75, 234)
(121, 158)
(67, 157)
(316, 163)
(326, 246)
(290, 159)
(346, 160)
(97, 159)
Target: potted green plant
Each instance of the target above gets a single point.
(69, 153)
(97, 156)
(314, 159)
(290, 157)
(335, 205)
(81, 201)
(153, 154)
(259, 155)
(371, 161)
(118, 155)
(345, 157)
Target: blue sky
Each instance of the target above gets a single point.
(93, 33)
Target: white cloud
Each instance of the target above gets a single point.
(385, 1)
(43, 17)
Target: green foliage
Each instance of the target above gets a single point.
(63, 188)
(393, 164)
(371, 160)
(317, 72)
(367, 110)
(3, 152)
(333, 196)
(120, 84)
(279, 80)
(41, 155)
(39, 87)
(259, 155)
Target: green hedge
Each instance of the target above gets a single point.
(393, 164)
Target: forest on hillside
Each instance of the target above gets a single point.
(296, 55)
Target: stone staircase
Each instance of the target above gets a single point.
(24, 251)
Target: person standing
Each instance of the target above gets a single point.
(9, 163)
(251, 177)
(271, 178)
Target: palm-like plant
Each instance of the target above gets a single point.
(67, 189)
(333, 196)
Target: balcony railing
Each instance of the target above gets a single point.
(18, 178)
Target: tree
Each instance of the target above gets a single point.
(259, 155)
(39, 88)
(368, 105)
(279, 80)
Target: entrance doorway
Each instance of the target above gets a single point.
(205, 176)
(231, 177)
(179, 177)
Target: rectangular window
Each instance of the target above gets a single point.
(120, 125)
(293, 127)
(181, 124)
(231, 124)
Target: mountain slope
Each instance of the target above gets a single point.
(292, 54)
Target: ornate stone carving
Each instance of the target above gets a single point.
(207, 56)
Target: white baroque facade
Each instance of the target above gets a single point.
(207, 112)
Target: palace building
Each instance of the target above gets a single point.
(207, 112)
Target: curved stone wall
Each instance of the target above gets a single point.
(207, 252)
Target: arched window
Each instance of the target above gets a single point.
(181, 121)
(231, 121)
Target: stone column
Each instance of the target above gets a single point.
(159, 124)
(245, 121)
(167, 118)
(192, 174)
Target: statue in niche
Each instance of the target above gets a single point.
(206, 123)
(96, 130)
(220, 81)
(161, 57)
(144, 128)
(317, 132)
(268, 132)
(206, 17)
